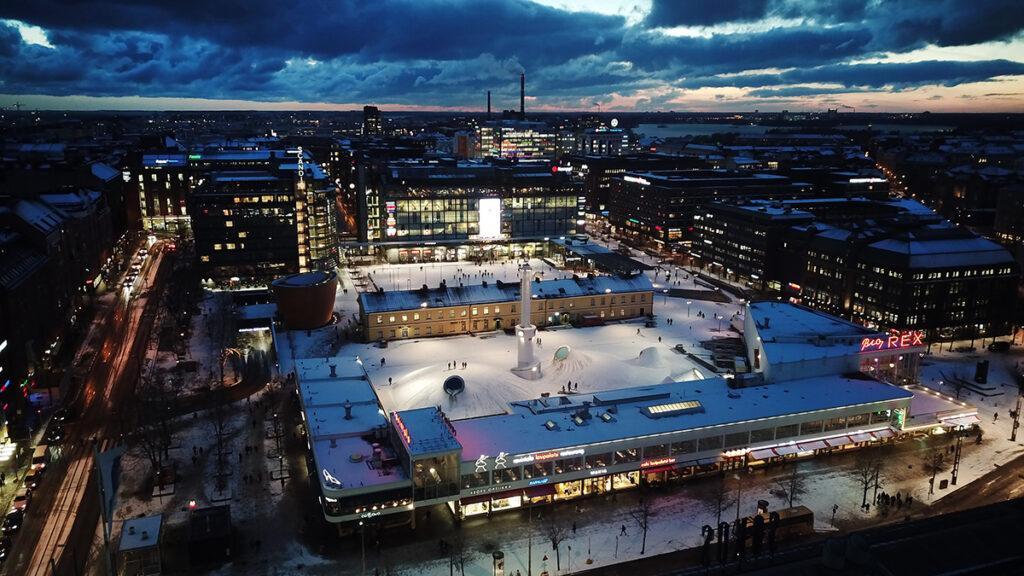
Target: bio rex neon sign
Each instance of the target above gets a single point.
(895, 340)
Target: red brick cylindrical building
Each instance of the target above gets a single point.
(305, 301)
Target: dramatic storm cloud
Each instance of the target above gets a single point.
(631, 54)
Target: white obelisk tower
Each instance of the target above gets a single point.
(528, 367)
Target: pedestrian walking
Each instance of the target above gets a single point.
(622, 532)
(573, 526)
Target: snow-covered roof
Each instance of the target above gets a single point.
(103, 172)
(524, 429)
(343, 446)
(425, 431)
(374, 302)
(921, 251)
(139, 533)
(790, 333)
(39, 215)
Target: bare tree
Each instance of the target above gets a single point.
(866, 470)
(154, 434)
(719, 497)
(556, 532)
(956, 381)
(934, 461)
(219, 423)
(642, 516)
(459, 553)
(793, 485)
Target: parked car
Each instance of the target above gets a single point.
(21, 498)
(33, 479)
(12, 522)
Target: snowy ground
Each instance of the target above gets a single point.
(604, 357)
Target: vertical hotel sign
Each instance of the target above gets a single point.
(390, 222)
(894, 340)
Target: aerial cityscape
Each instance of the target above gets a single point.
(511, 287)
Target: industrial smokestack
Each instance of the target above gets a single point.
(522, 95)
(488, 104)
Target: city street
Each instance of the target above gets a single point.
(61, 522)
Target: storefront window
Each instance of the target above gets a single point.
(787, 431)
(736, 439)
(627, 455)
(566, 490)
(537, 470)
(881, 416)
(811, 427)
(626, 480)
(762, 435)
(475, 508)
(684, 447)
(837, 423)
(598, 460)
(506, 503)
(597, 485)
(505, 475)
(709, 443)
(858, 420)
(568, 465)
(656, 451)
(475, 480)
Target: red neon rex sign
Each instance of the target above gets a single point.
(895, 340)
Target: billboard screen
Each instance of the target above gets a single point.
(490, 217)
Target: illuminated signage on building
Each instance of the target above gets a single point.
(895, 340)
(637, 180)
(391, 222)
(330, 479)
(539, 481)
(657, 462)
(402, 429)
(551, 455)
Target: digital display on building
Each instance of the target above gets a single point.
(895, 340)
(490, 217)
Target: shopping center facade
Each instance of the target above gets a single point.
(818, 384)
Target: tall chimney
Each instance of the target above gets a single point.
(522, 95)
(488, 104)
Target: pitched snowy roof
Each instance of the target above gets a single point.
(39, 215)
(921, 250)
(374, 302)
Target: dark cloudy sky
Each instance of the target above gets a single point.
(955, 55)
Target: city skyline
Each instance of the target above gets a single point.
(612, 55)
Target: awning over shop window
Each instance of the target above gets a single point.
(838, 442)
(883, 433)
(763, 454)
(862, 437)
(787, 449)
(965, 421)
(812, 445)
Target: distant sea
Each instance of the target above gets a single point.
(698, 129)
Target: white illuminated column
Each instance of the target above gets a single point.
(527, 367)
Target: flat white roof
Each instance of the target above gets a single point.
(523, 430)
